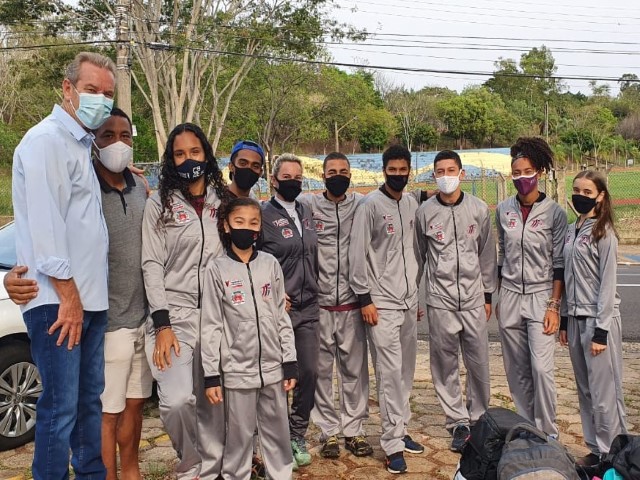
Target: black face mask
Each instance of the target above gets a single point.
(337, 185)
(583, 204)
(397, 182)
(245, 178)
(289, 189)
(243, 238)
(191, 170)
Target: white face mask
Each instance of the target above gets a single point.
(116, 156)
(448, 184)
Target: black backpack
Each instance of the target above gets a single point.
(624, 456)
(482, 453)
(529, 453)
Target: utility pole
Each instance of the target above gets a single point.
(123, 56)
(546, 121)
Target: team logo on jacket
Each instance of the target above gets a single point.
(317, 214)
(471, 229)
(237, 297)
(212, 209)
(388, 218)
(287, 233)
(436, 227)
(181, 216)
(319, 226)
(281, 222)
(512, 223)
(306, 224)
(568, 239)
(391, 230)
(266, 290)
(234, 283)
(536, 224)
(439, 236)
(584, 241)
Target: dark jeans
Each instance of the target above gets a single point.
(69, 411)
(307, 349)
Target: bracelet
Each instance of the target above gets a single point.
(164, 327)
(553, 304)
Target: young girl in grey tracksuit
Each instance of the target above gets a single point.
(248, 345)
(593, 330)
(531, 233)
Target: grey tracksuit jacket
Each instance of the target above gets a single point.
(246, 332)
(535, 256)
(590, 275)
(177, 245)
(297, 256)
(333, 221)
(384, 270)
(456, 244)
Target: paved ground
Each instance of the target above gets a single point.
(437, 462)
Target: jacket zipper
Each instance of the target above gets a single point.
(338, 257)
(455, 235)
(200, 261)
(404, 260)
(575, 308)
(304, 266)
(524, 224)
(255, 306)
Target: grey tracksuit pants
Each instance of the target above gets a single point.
(343, 341)
(266, 407)
(306, 337)
(196, 428)
(450, 332)
(528, 356)
(599, 382)
(394, 342)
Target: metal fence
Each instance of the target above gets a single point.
(624, 185)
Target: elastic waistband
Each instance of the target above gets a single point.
(341, 308)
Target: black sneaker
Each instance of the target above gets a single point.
(461, 434)
(358, 446)
(395, 463)
(588, 460)
(411, 446)
(330, 448)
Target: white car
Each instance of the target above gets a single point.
(20, 384)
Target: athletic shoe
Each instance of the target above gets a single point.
(258, 472)
(330, 448)
(395, 463)
(588, 460)
(358, 446)
(411, 446)
(461, 434)
(300, 453)
(295, 465)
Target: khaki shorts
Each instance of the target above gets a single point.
(126, 371)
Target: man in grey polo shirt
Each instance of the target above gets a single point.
(127, 375)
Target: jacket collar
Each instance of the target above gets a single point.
(232, 255)
(458, 202)
(74, 128)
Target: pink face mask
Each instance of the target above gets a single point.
(526, 184)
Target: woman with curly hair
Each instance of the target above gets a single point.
(531, 234)
(593, 330)
(179, 238)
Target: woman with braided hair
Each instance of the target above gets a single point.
(531, 234)
(179, 239)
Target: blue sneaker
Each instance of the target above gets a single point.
(395, 463)
(411, 446)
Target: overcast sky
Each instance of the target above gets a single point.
(590, 38)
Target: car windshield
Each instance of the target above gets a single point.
(7, 246)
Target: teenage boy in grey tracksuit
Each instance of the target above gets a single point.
(342, 334)
(456, 248)
(247, 338)
(289, 235)
(384, 275)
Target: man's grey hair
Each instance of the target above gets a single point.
(284, 158)
(73, 69)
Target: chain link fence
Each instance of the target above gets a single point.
(624, 186)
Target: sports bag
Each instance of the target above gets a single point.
(480, 456)
(529, 454)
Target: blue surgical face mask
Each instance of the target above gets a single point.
(93, 110)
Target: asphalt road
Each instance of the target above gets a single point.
(628, 289)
